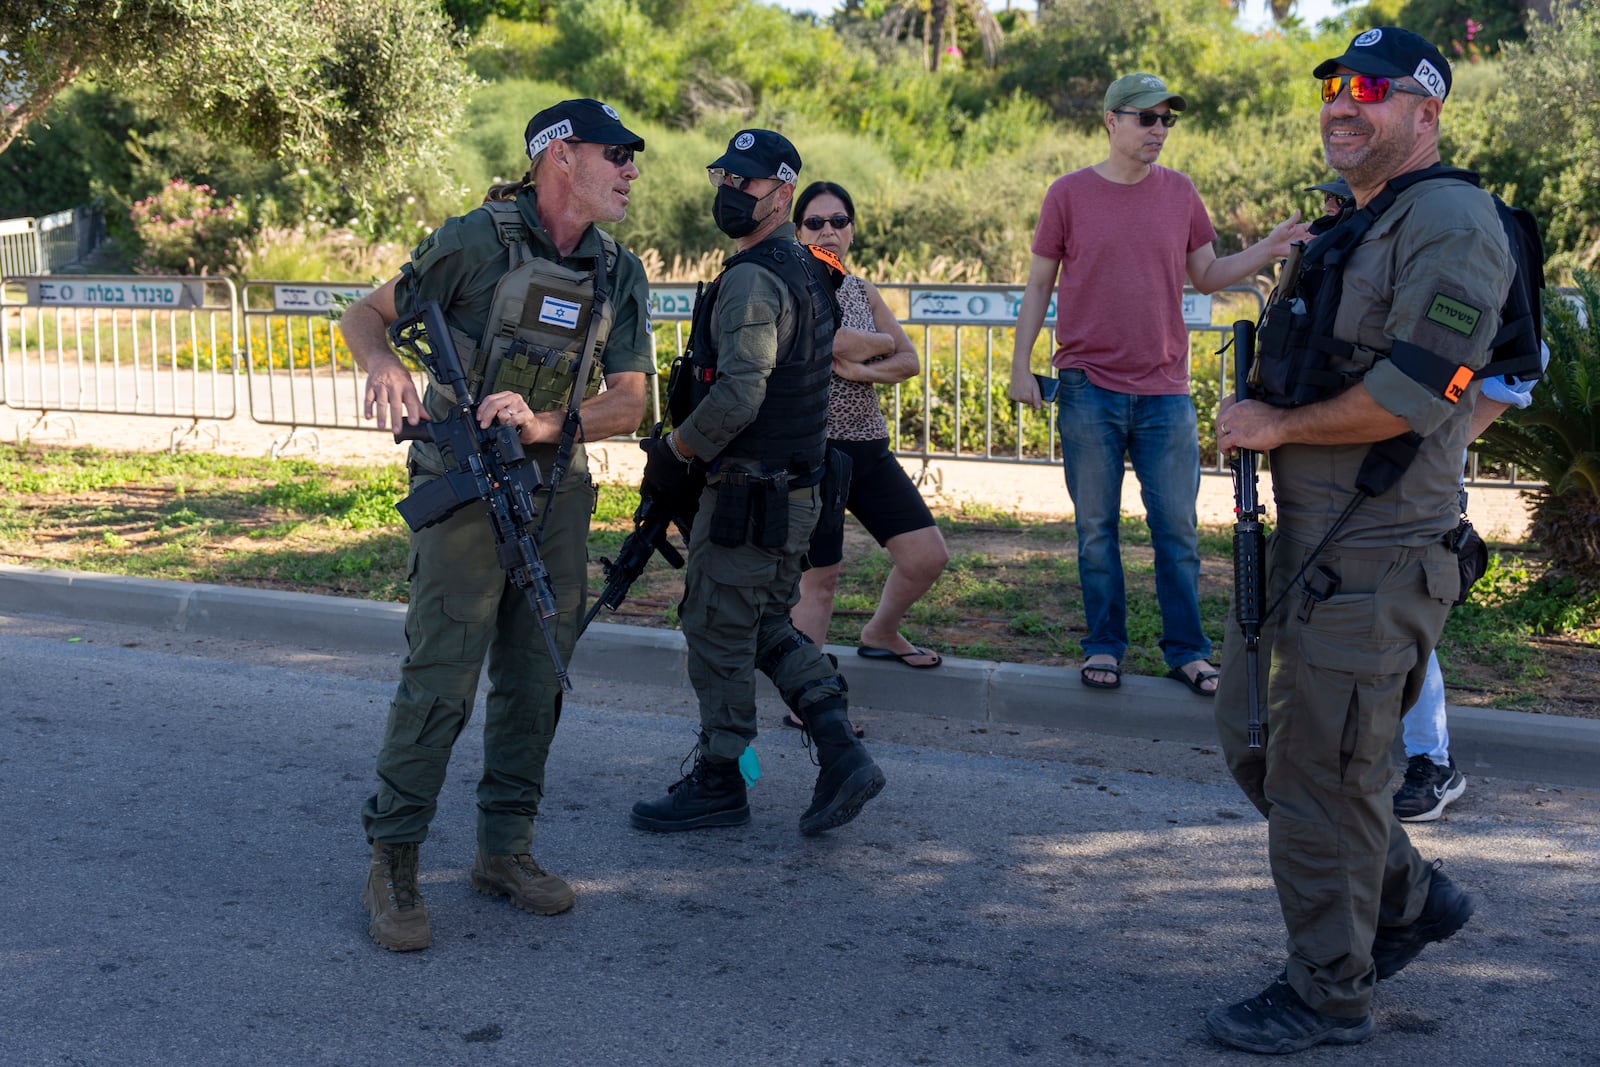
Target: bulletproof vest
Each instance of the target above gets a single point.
(538, 320)
(790, 430)
(1299, 360)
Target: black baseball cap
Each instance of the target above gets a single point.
(759, 154)
(583, 120)
(1390, 52)
(1337, 187)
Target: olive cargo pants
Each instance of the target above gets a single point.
(463, 608)
(735, 612)
(1335, 681)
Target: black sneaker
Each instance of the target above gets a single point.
(1276, 1020)
(1446, 911)
(1427, 789)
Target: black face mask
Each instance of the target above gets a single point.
(735, 212)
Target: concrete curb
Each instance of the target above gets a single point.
(1483, 740)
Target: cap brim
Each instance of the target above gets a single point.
(1362, 63)
(742, 165)
(1151, 99)
(1329, 188)
(615, 133)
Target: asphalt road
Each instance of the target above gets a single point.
(184, 864)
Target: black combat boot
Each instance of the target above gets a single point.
(711, 794)
(848, 777)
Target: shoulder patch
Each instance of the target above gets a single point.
(1453, 314)
(439, 243)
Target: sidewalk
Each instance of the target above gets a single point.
(1484, 741)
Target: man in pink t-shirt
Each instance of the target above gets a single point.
(1123, 235)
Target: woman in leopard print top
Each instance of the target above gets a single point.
(870, 348)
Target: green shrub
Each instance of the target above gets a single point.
(187, 229)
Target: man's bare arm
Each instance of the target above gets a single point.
(1030, 317)
(391, 394)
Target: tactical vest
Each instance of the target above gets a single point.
(538, 319)
(1300, 361)
(790, 430)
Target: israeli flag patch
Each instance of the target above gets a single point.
(563, 313)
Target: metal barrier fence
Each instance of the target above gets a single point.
(43, 245)
(21, 248)
(120, 345)
(174, 347)
(958, 408)
(299, 371)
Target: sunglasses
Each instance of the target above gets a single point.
(1365, 88)
(618, 155)
(720, 177)
(817, 222)
(1150, 118)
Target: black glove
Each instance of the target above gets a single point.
(666, 477)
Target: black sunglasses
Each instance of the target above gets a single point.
(817, 222)
(618, 155)
(1150, 118)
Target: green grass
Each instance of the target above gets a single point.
(1010, 592)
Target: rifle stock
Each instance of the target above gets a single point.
(1249, 540)
(487, 465)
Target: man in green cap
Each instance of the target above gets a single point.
(528, 283)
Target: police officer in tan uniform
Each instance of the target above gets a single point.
(1381, 354)
(518, 279)
(756, 422)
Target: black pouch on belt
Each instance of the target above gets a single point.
(730, 522)
(771, 512)
(1472, 555)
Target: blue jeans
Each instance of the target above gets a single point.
(1159, 436)
(1424, 729)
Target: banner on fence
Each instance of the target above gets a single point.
(998, 306)
(170, 293)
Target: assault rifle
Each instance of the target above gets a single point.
(487, 465)
(1249, 542)
(651, 522)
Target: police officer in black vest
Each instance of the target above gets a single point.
(752, 417)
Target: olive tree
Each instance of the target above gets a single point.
(364, 86)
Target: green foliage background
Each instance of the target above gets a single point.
(947, 167)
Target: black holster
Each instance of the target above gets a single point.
(1472, 556)
(834, 492)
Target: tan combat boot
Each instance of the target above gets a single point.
(399, 919)
(520, 877)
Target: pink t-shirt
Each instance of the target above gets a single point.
(1119, 310)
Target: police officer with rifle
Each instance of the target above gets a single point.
(749, 414)
(542, 307)
(1366, 372)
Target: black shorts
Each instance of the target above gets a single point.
(882, 498)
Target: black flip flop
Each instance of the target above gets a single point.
(1177, 674)
(871, 652)
(792, 723)
(1113, 669)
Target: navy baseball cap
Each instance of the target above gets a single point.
(759, 154)
(1337, 187)
(582, 120)
(1390, 52)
